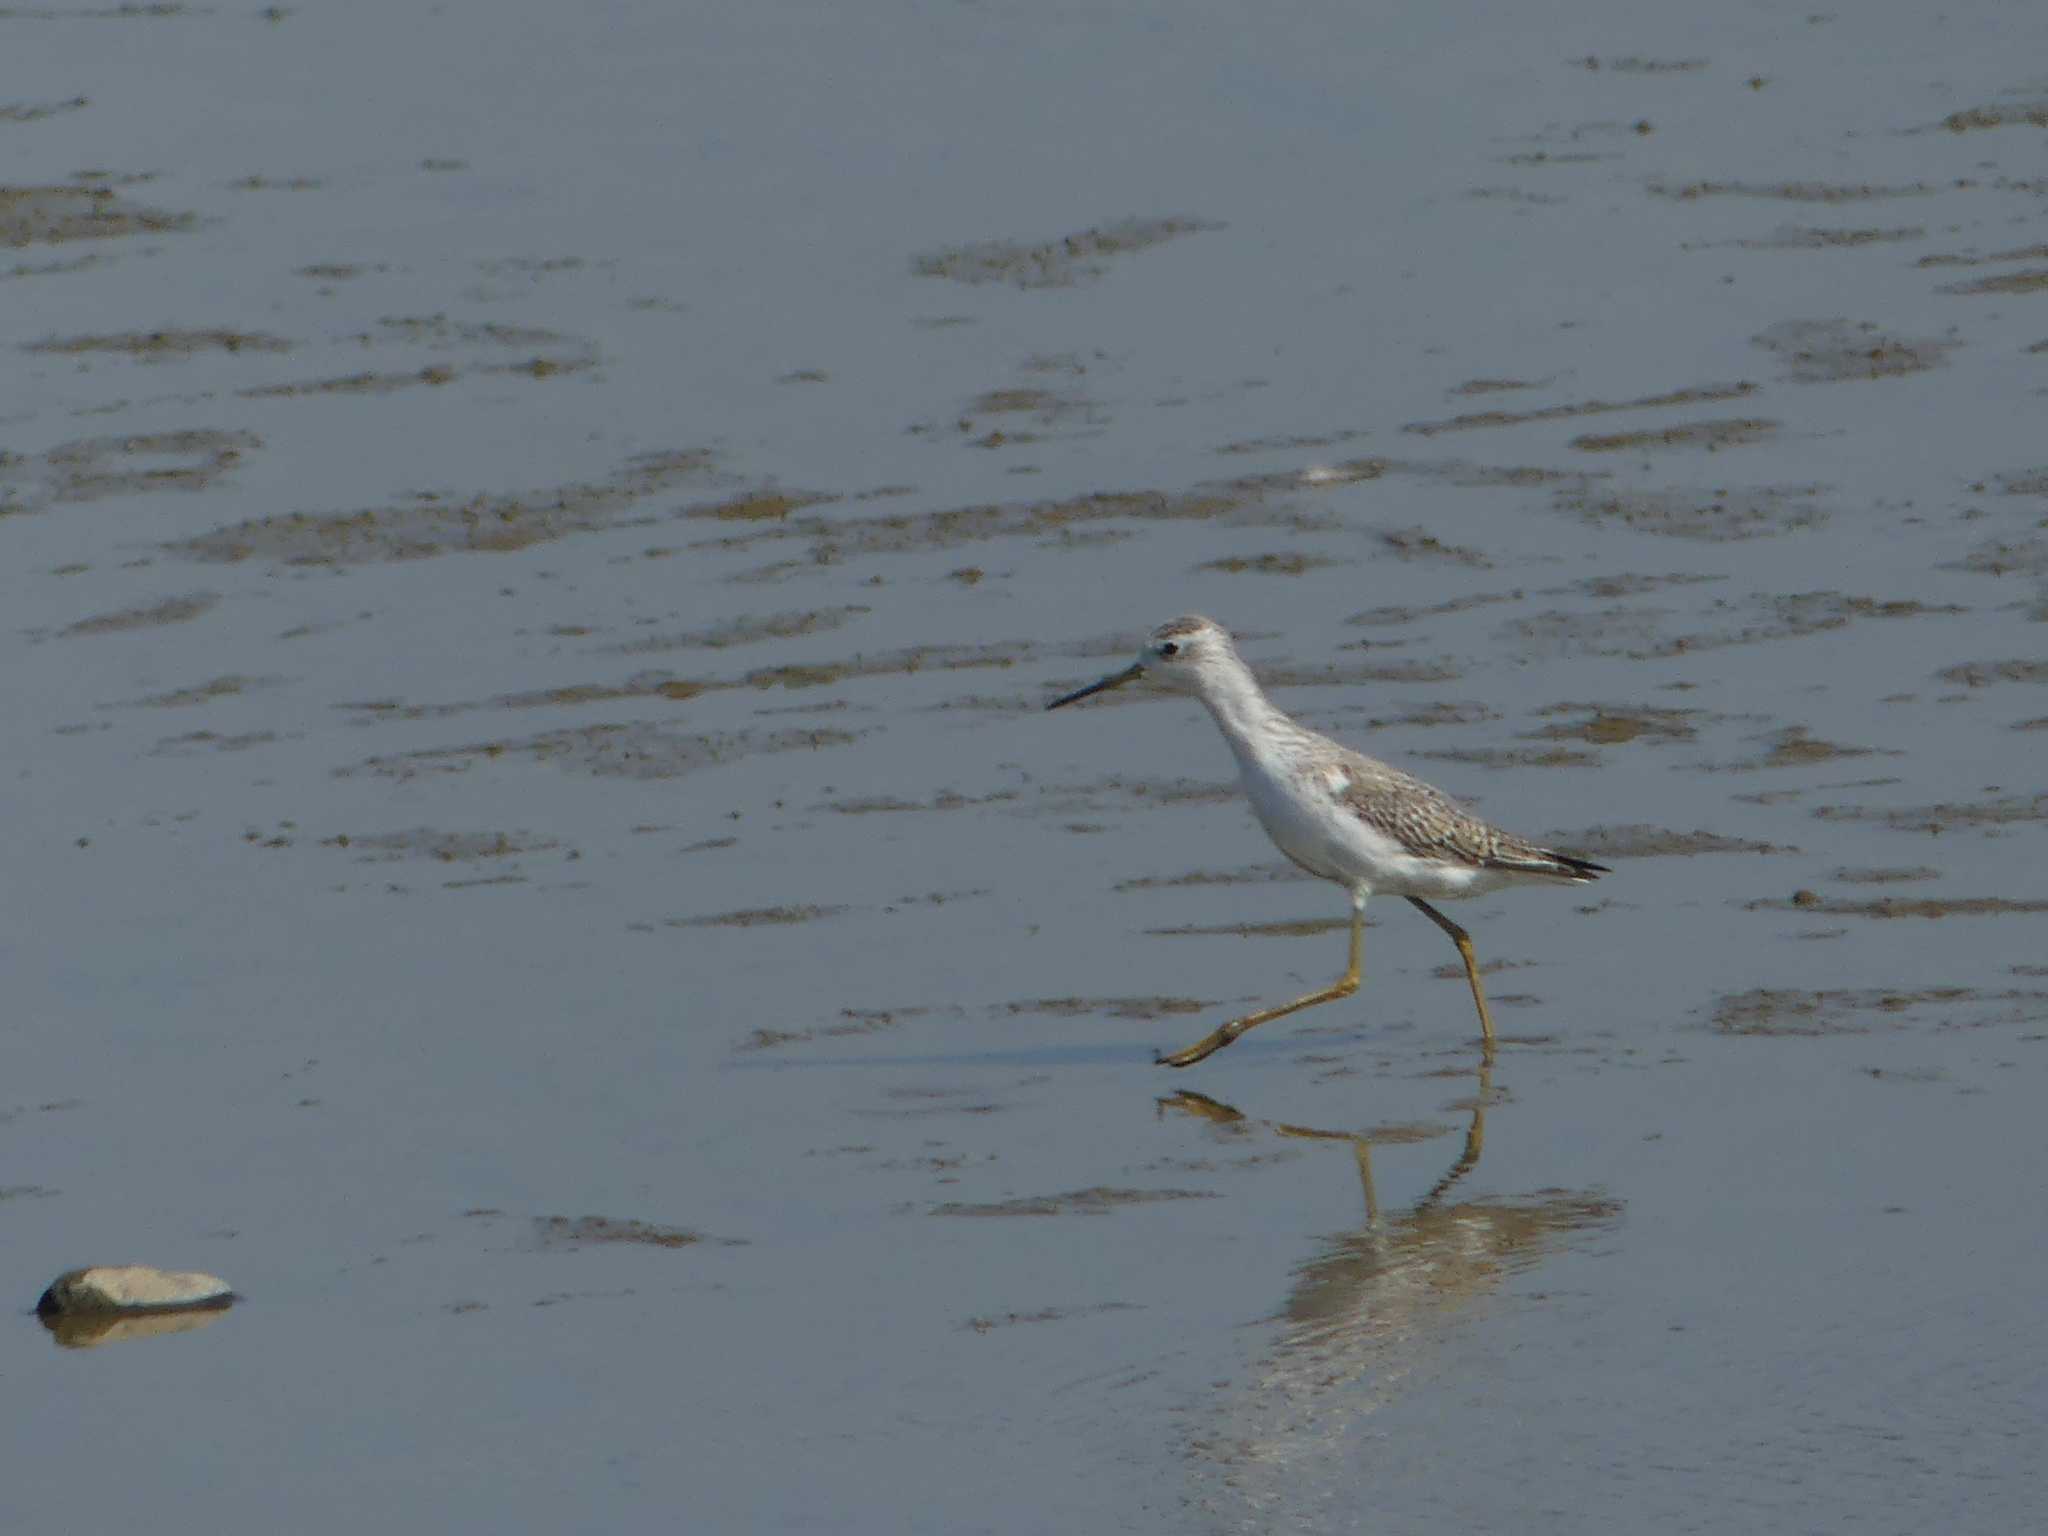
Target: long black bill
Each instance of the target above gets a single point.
(1114, 680)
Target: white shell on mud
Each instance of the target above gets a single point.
(131, 1288)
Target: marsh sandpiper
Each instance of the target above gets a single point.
(1339, 814)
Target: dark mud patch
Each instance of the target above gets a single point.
(1393, 615)
(1959, 259)
(1532, 159)
(1701, 394)
(1292, 443)
(95, 468)
(2033, 482)
(441, 847)
(431, 525)
(1934, 820)
(1606, 725)
(276, 184)
(1279, 564)
(1813, 612)
(1443, 712)
(758, 507)
(1516, 195)
(1251, 874)
(1043, 414)
(338, 271)
(1632, 64)
(51, 268)
(1637, 632)
(792, 676)
(160, 346)
(353, 384)
(759, 917)
(928, 1103)
(1361, 674)
(1632, 583)
(748, 629)
(1065, 798)
(634, 750)
(1295, 928)
(56, 215)
(1109, 1007)
(1899, 876)
(1707, 515)
(1834, 351)
(1637, 840)
(230, 686)
(1419, 544)
(907, 662)
(1900, 906)
(1457, 472)
(210, 741)
(571, 1232)
(36, 112)
(1514, 757)
(1787, 617)
(1795, 747)
(1733, 432)
(1797, 237)
(1058, 263)
(876, 805)
(1044, 1315)
(440, 331)
(2035, 281)
(2005, 115)
(1099, 1201)
(2023, 556)
(842, 538)
(1794, 191)
(1985, 674)
(1079, 521)
(1856, 1011)
(1014, 402)
(172, 610)
(644, 685)
(851, 1022)
(544, 367)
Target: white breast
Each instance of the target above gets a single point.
(1301, 809)
(1301, 805)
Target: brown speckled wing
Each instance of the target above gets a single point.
(1431, 825)
(1418, 816)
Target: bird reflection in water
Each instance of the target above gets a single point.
(1370, 1306)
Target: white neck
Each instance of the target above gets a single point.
(1247, 718)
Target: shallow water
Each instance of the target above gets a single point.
(535, 546)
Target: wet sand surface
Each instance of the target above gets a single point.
(534, 547)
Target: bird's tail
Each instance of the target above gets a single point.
(1548, 861)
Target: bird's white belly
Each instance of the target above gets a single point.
(1310, 823)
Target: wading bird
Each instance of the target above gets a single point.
(1338, 814)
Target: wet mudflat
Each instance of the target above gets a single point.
(534, 853)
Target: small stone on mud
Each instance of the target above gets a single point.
(131, 1288)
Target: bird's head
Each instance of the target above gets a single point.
(1175, 656)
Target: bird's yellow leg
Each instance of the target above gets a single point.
(1463, 940)
(1223, 1034)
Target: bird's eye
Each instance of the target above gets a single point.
(1169, 648)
